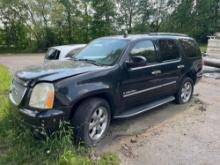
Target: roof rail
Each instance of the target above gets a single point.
(169, 34)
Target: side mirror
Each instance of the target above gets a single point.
(137, 61)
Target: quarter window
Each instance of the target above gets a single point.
(190, 48)
(168, 50)
(146, 49)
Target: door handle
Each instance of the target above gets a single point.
(180, 66)
(156, 72)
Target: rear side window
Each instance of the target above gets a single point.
(146, 49)
(52, 54)
(190, 48)
(168, 50)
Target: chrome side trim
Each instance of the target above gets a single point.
(153, 65)
(149, 89)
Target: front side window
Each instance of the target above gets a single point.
(102, 51)
(145, 48)
(168, 50)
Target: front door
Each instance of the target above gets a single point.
(140, 85)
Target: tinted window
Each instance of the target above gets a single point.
(52, 54)
(190, 48)
(103, 51)
(146, 49)
(168, 50)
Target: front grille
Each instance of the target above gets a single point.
(17, 92)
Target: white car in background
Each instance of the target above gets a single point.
(62, 52)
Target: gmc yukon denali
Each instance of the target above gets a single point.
(112, 78)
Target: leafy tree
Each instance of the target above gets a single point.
(14, 31)
(205, 19)
(142, 22)
(57, 18)
(70, 14)
(103, 17)
(128, 10)
(196, 18)
(39, 24)
(86, 20)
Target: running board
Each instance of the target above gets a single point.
(145, 108)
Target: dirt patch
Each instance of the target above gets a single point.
(126, 150)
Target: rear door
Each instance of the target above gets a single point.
(171, 65)
(193, 56)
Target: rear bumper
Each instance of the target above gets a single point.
(48, 120)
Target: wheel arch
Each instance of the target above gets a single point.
(191, 75)
(103, 95)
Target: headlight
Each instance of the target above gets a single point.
(42, 96)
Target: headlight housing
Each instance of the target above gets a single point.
(42, 96)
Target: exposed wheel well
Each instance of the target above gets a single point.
(101, 95)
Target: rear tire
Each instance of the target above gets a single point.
(185, 91)
(91, 121)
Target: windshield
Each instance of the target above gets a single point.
(102, 51)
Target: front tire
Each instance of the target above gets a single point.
(91, 121)
(185, 91)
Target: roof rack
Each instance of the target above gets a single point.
(169, 34)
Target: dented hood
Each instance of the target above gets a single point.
(56, 70)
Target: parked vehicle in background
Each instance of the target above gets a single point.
(62, 52)
(113, 77)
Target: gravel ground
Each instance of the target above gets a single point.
(190, 137)
(19, 61)
(169, 135)
(173, 134)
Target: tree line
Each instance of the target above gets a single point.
(35, 25)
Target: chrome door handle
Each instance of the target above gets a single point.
(156, 72)
(180, 66)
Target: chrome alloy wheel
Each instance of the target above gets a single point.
(98, 123)
(186, 92)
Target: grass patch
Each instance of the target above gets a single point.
(203, 47)
(17, 145)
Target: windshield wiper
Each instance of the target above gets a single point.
(86, 60)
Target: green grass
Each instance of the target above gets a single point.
(203, 47)
(17, 145)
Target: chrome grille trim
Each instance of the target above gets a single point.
(20, 81)
(17, 92)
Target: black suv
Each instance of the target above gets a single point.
(113, 77)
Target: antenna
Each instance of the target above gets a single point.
(125, 33)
